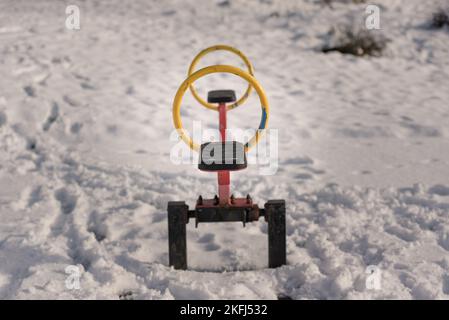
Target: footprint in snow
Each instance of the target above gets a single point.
(304, 176)
(3, 119)
(440, 190)
(97, 226)
(66, 199)
(212, 247)
(401, 233)
(446, 284)
(209, 240)
(299, 161)
(52, 117)
(30, 91)
(87, 86)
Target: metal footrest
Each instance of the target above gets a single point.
(237, 209)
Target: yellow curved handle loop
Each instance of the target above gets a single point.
(225, 48)
(215, 69)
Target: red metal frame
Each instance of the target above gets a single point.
(224, 178)
(224, 199)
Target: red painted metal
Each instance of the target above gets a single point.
(222, 120)
(224, 178)
(224, 199)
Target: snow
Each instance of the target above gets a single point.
(85, 171)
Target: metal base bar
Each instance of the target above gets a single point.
(177, 237)
(275, 216)
(239, 209)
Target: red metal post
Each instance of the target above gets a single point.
(223, 175)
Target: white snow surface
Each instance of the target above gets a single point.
(85, 172)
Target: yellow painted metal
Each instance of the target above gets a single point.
(216, 69)
(217, 48)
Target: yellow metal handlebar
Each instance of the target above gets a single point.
(225, 48)
(216, 69)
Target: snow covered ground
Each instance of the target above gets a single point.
(85, 175)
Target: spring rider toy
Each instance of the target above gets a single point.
(221, 158)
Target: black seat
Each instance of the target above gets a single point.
(221, 96)
(215, 156)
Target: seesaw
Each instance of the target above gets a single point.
(221, 158)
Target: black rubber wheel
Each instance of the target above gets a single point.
(275, 216)
(177, 238)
